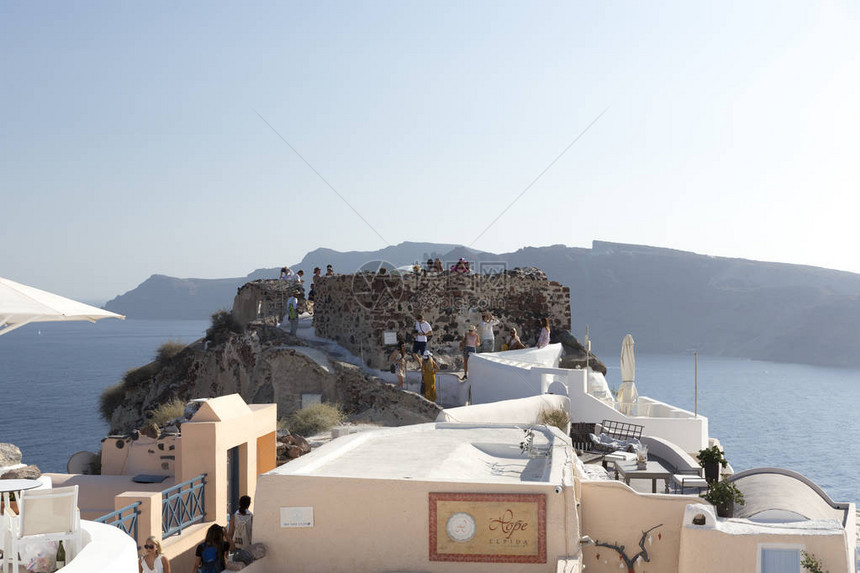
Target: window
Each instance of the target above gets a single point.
(780, 559)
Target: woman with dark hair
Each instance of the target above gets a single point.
(211, 555)
(543, 339)
(239, 530)
(398, 358)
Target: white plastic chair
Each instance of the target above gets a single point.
(49, 515)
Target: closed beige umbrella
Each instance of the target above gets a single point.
(627, 395)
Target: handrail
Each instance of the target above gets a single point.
(127, 523)
(183, 505)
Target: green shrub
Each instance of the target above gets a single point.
(315, 419)
(168, 351)
(554, 417)
(223, 325)
(168, 411)
(111, 399)
(134, 377)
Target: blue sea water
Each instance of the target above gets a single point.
(52, 374)
(764, 413)
(767, 414)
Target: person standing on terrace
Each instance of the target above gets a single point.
(428, 376)
(470, 344)
(488, 338)
(398, 358)
(543, 338)
(419, 344)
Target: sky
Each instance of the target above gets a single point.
(209, 139)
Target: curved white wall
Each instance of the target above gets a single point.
(106, 550)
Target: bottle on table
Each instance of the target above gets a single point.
(61, 556)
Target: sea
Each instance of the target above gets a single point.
(765, 414)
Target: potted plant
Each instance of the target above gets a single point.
(711, 459)
(724, 495)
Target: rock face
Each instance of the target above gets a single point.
(10, 455)
(266, 365)
(357, 310)
(27, 472)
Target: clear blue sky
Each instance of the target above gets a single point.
(131, 143)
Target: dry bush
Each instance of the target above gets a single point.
(555, 417)
(168, 351)
(314, 419)
(111, 399)
(168, 412)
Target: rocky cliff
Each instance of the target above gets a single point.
(264, 365)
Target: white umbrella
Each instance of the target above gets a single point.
(627, 394)
(21, 304)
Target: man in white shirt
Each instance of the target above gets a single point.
(488, 338)
(419, 343)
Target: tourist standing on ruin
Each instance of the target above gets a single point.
(398, 358)
(316, 276)
(470, 344)
(423, 332)
(286, 274)
(488, 338)
(543, 339)
(428, 376)
(329, 271)
(514, 342)
(293, 313)
(437, 265)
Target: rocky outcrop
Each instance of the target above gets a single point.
(266, 365)
(358, 310)
(10, 455)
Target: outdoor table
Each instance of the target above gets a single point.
(653, 470)
(8, 519)
(8, 486)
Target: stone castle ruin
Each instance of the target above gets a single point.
(365, 312)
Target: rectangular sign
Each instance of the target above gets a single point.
(389, 338)
(488, 527)
(297, 517)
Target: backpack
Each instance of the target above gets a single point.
(210, 560)
(241, 535)
(293, 311)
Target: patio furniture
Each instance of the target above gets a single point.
(9, 521)
(653, 470)
(49, 515)
(686, 471)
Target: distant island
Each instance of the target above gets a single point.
(671, 301)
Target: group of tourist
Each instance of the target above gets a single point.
(435, 266)
(217, 549)
(287, 274)
(470, 344)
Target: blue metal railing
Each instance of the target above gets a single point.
(125, 519)
(182, 505)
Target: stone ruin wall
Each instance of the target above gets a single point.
(356, 310)
(266, 300)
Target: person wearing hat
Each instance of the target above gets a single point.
(470, 344)
(429, 369)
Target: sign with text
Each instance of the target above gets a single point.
(297, 517)
(488, 527)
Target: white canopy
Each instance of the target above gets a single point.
(21, 304)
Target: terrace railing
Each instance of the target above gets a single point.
(182, 505)
(125, 519)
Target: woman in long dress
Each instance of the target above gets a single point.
(429, 369)
(543, 339)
